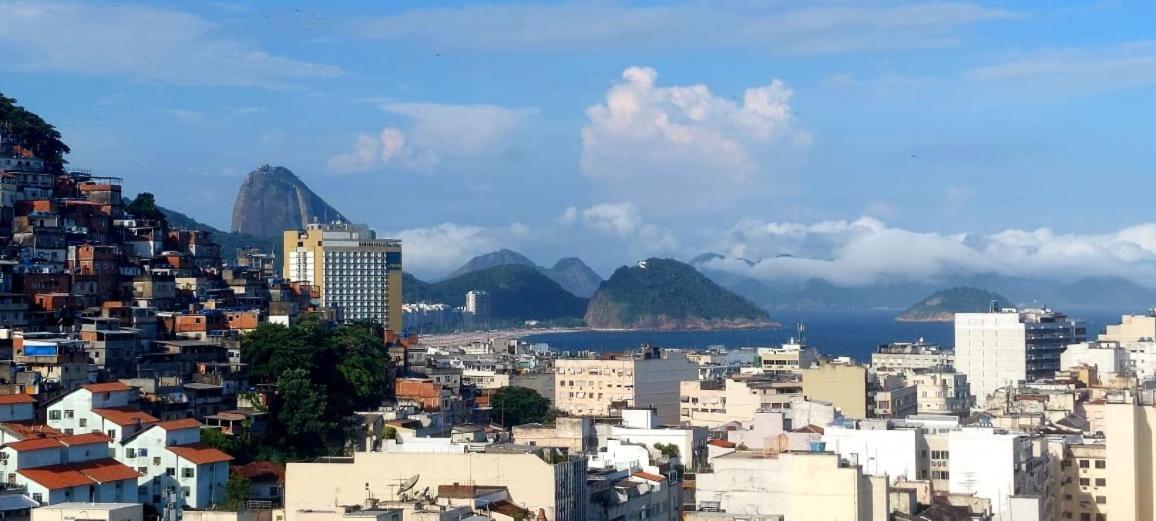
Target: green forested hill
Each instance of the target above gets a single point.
(668, 294)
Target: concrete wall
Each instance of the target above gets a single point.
(845, 386)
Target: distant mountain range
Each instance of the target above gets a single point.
(668, 294)
(818, 294)
(517, 293)
(272, 199)
(942, 305)
(571, 273)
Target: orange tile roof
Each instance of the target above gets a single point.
(125, 416)
(176, 425)
(84, 439)
(25, 431)
(722, 443)
(55, 477)
(199, 453)
(648, 476)
(15, 399)
(107, 387)
(106, 470)
(33, 444)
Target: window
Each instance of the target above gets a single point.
(185, 491)
(142, 470)
(1101, 517)
(84, 422)
(1083, 463)
(1085, 517)
(169, 471)
(130, 453)
(1101, 464)
(1101, 482)
(38, 497)
(1085, 482)
(1100, 500)
(187, 473)
(143, 452)
(54, 415)
(157, 460)
(68, 432)
(112, 433)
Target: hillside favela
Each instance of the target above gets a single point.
(577, 261)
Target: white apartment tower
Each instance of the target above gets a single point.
(1000, 348)
(357, 274)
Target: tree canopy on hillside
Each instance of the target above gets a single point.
(39, 136)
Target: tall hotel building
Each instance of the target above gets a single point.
(1004, 347)
(357, 275)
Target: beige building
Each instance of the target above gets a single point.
(89, 512)
(714, 403)
(574, 434)
(541, 481)
(1128, 432)
(791, 357)
(1084, 482)
(794, 485)
(591, 387)
(942, 392)
(1132, 328)
(843, 385)
(357, 274)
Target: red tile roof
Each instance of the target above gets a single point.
(79, 474)
(125, 416)
(648, 476)
(810, 429)
(723, 443)
(107, 387)
(176, 425)
(16, 399)
(199, 453)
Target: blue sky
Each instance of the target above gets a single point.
(1018, 132)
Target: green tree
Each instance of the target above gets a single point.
(302, 414)
(144, 206)
(520, 405)
(38, 135)
(236, 491)
(364, 365)
(220, 441)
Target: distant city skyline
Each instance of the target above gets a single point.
(867, 141)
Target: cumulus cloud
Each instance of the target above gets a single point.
(679, 146)
(809, 28)
(142, 42)
(867, 251)
(442, 248)
(438, 131)
(624, 221)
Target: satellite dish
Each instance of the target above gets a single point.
(408, 484)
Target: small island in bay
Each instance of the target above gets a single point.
(664, 294)
(942, 305)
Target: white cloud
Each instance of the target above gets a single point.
(624, 221)
(830, 27)
(144, 43)
(442, 248)
(682, 146)
(866, 251)
(438, 131)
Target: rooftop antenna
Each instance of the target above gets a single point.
(993, 306)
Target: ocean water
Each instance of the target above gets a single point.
(833, 333)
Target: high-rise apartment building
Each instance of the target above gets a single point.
(1001, 348)
(356, 274)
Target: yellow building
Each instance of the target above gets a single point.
(843, 385)
(358, 275)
